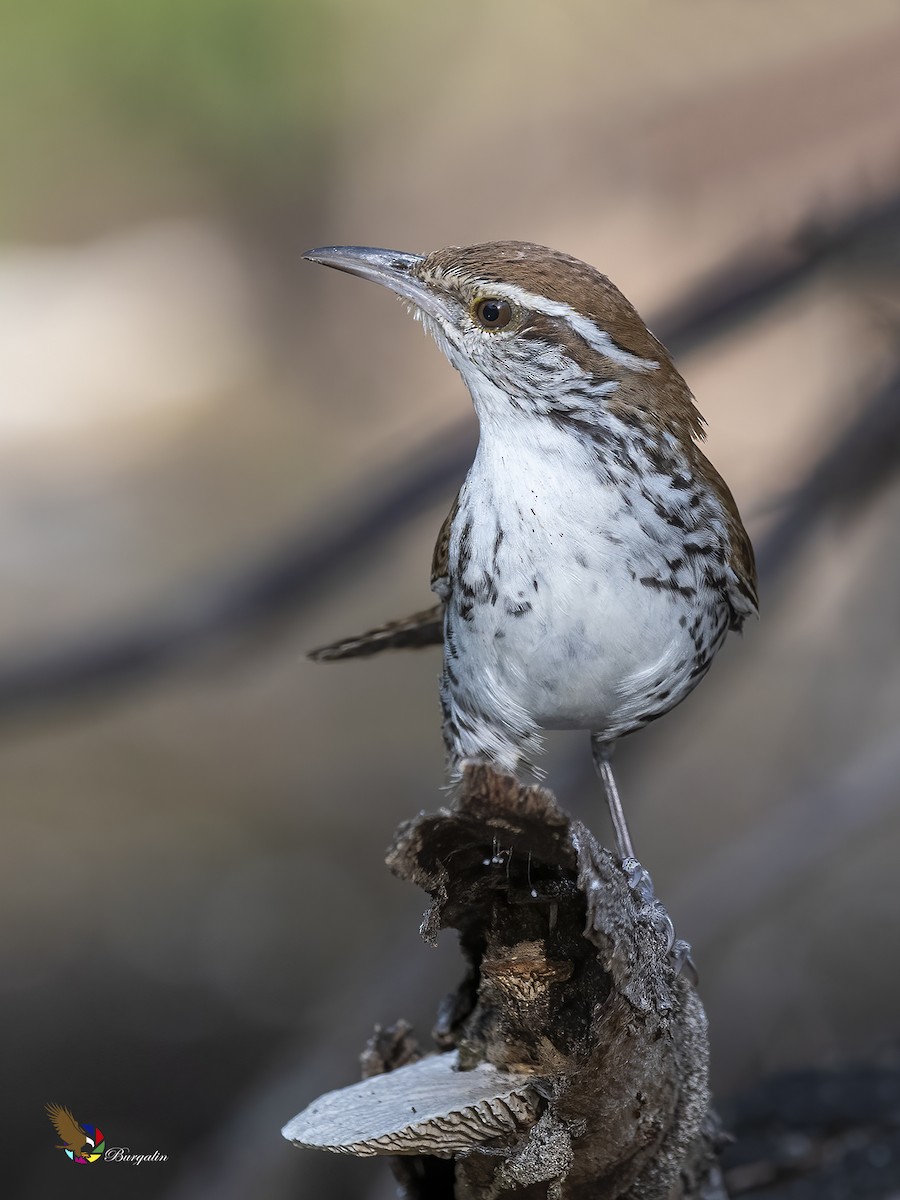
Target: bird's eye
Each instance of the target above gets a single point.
(493, 314)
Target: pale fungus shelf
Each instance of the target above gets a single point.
(426, 1107)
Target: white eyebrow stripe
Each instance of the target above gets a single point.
(598, 339)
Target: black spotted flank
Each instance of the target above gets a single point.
(667, 585)
(465, 543)
(669, 515)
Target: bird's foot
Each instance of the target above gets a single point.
(680, 955)
(653, 910)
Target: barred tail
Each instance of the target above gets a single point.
(424, 628)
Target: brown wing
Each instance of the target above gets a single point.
(439, 560)
(70, 1132)
(743, 563)
(742, 596)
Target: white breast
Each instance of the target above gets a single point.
(550, 622)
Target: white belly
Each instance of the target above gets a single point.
(587, 652)
(578, 642)
(549, 624)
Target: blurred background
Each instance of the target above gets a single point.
(214, 456)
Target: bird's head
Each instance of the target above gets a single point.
(534, 332)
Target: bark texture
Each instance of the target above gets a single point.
(570, 989)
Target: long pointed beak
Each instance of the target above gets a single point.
(391, 268)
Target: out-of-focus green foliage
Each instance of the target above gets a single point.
(132, 99)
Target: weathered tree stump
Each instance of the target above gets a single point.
(572, 1058)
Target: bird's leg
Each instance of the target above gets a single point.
(638, 879)
(602, 752)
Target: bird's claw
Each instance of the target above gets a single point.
(679, 951)
(682, 961)
(639, 881)
(662, 923)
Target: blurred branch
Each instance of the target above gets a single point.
(851, 471)
(756, 279)
(275, 587)
(291, 576)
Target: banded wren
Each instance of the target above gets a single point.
(594, 559)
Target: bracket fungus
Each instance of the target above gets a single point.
(427, 1107)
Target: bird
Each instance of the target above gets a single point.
(74, 1137)
(594, 560)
